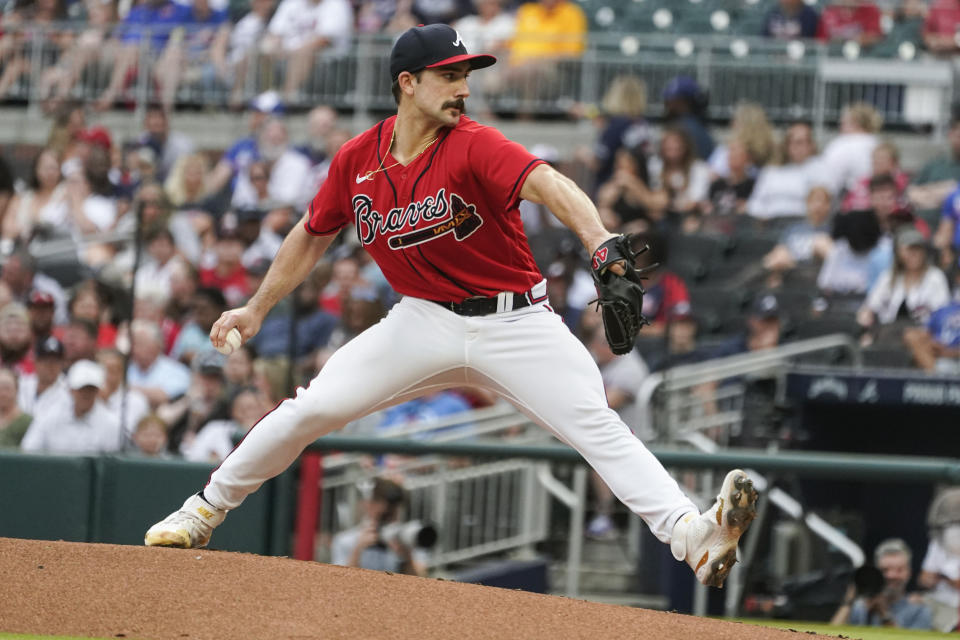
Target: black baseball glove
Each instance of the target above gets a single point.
(620, 297)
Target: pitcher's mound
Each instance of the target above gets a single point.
(112, 591)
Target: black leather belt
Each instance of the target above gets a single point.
(481, 306)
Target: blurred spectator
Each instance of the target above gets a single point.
(160, 378)
(429, 407)
(129, 405)
(802, 242)
(790, 20)
(547, 31)
(624, 126)
(23, 26)
(152, 304)
(940, 572)
(890, 607)
(560, 276)
(321, 122)
(238, 157)
(91, 202)
(88, 304)
(168, 145)
(728, 194)
(215, 440)
(665, 290)
(345, 274)
(445, 11)
(884, 201)
(936, 347)
(858, 256)
(16, 341)
(489, 31)
(622, 377)
(764, 328)
(851, 20)
(69, 119)
(47, 388)
(161, 259)
(362, 546)
(288, 171)
(197, 50)
(238, 368)
(947, 238)
(751, 128)
(685, 104)
(847, 158)
(79, 340)
(269, 233)
(44, 202)
(153, 19)
(314, 326)
(150, 437)
(194, 337)
(81, 425)
(227, 272)
(91, 45)
(187, 185)
(205, 400)
(681, 345)
(40, 308)
(361, 309)
(781, 191)
(21, 278)
(885, 159)
(934, 182)
(907, 27)
(910, 290)
(940, 27)
(242, 44)
(13, 421)
(680, 173)
(302, 29)
(626, 201)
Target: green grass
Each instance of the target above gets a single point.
(861, 633)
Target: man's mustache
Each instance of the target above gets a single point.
(455, 104)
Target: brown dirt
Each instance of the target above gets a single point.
(109, 591)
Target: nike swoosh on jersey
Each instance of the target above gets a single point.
(361, 178)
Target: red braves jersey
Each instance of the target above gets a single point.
(444, 227)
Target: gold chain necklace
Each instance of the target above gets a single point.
(369, 174)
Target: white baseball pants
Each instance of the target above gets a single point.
(527, 356)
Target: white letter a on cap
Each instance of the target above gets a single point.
(458, 42)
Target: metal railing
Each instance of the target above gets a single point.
(791, 80)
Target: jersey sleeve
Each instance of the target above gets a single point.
(327, 210)
(500, 164)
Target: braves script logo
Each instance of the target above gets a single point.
(456, 217)
(599, 258)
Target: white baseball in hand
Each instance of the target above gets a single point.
(232, 343)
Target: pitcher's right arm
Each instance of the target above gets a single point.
(297, 256)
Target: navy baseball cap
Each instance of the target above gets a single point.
(433, 45)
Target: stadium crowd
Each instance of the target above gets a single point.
(118, 255)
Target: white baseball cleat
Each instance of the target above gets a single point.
(708, 541)
(189, 527)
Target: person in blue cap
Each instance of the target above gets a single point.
(685, 105)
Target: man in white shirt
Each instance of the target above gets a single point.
(46, 389)
(158, 377)
(300, 29)
(129, 405)
(289, 171)
(83, 425)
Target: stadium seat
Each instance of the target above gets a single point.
(887, 357)
(718, 310)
